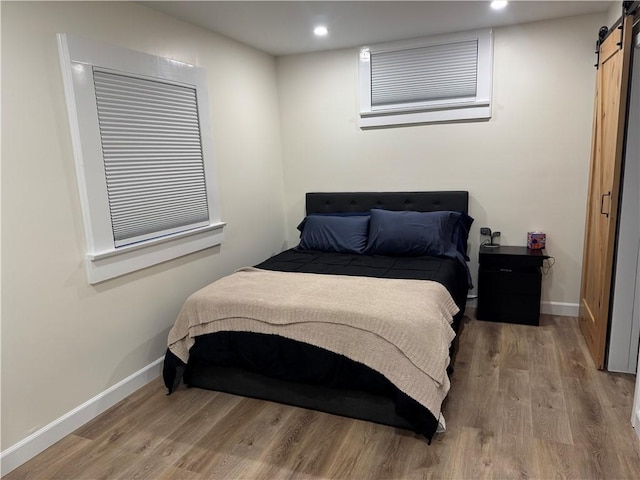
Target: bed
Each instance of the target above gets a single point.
(302, 353)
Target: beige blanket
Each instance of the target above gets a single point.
(400, 328)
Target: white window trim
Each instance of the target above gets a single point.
(475, 108)
(103, 259)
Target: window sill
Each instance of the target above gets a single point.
(378, 119)
(109, 264)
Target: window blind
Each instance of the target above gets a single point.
(151, 144)
(424, 74)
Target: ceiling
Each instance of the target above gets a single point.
(284, 28)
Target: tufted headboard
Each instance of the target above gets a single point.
(363, 201)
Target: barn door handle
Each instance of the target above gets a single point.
(608, 194)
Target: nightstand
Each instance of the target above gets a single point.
(509, 284)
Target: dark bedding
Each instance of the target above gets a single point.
(447, 271)
(282, 359)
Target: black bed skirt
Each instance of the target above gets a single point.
(274, 368)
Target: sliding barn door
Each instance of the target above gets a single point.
(604, 185)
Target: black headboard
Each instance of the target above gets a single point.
(364, 201)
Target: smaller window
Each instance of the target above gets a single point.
(433, 79)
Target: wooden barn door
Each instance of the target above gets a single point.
(604, 185)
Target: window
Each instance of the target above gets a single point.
(142, 145)
(434, 79)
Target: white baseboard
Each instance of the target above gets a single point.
(35, 443)
(560, 308)
(548, 308)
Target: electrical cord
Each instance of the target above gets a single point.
(551, 261)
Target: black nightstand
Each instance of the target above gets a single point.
(509, 284)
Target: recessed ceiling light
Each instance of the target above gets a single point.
(499, 4)
(320, 31)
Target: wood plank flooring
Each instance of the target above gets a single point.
(525, 402)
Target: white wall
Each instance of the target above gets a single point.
(64, 341)
(525, 169)
(613, 14)
(625, 312)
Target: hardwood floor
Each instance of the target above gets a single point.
(525, 402)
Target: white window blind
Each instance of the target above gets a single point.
(143, 149)
(432, 79)
(424, 74)
(152, 153)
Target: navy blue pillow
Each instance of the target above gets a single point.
(461, 233)
(412, 233)
(300, 227)
(334, 233)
